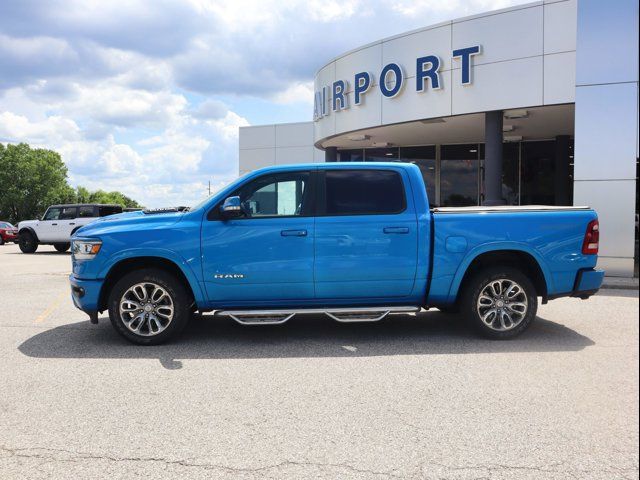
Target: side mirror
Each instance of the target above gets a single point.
(232, 208)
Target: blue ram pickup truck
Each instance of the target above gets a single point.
(355, 241)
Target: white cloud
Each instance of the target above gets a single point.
(146, 97)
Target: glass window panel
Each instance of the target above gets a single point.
(425, 158)
(355, 155)
(381, 154)
(279, 195)
(52, 214)
(69, 213)
(538, 173)
(459, 175)
(510, 169)
(364, 192)
(87, 211)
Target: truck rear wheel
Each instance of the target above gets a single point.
(500, 302)
(27, 242)
(149, 307)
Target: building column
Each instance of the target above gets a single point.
(606, 127)
(331, 154)
(493, 158)
(562, 180)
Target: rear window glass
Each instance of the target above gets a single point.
(364, 192)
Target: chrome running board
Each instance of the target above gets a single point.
(345, 315)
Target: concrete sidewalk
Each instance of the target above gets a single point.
(620, 283)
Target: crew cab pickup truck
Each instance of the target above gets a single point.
(58, 223)
(356, 241)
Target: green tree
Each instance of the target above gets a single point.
(31, 180)
(100, 196)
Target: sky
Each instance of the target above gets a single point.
(146, 97)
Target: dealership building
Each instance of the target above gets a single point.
(531, 105)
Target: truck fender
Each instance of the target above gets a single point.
(165, 254)
(31, 231)
(494, 247)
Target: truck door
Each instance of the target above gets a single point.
(366, 235)
(268, 253)
(66, 223)
(48, 226)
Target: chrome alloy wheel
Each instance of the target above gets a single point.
(146, 309)
(502, 304)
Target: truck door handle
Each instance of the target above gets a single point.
(396, 230)
(293, 233)
(72, 223)
(54, 224)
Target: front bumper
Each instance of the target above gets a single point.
(86, 295)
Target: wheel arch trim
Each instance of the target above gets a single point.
(161, 255)
(31, 231)
(507, 247)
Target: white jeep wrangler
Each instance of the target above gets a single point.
(58, 224)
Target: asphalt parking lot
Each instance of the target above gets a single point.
(408, 397)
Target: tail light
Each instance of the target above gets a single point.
(591, 238)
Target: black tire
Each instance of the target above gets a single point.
(62, 247)
(173, 288)
(1, 240)
(27, 242)
(497, 326)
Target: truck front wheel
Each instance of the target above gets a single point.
(27, 242)
(148, 307)
(500, 302)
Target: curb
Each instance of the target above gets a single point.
(620, 283)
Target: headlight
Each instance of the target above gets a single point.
(85, 249)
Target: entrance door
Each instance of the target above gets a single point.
(268, 253)
(366, 235)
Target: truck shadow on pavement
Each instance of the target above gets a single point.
(209, 337)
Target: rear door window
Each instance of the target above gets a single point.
(105, 210)
(363, 192)
(87, 211)
(68, 213)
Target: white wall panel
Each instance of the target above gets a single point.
(293, 155)
(368, 114)
(560, 26)
(491, 91)
(294, 134)
(318, 155)
(606, 132)
(407, 48)
(614, 200)
(505, 36)
(607, 43)
(416, 105)
(254, 158)
(261, 136)
(560, 78)
(366, 59)
(327, 125)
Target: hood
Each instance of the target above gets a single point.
(26, 223)
(129, 221)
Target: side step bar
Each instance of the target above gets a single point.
(345, 315)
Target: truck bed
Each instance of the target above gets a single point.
(550, 235)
